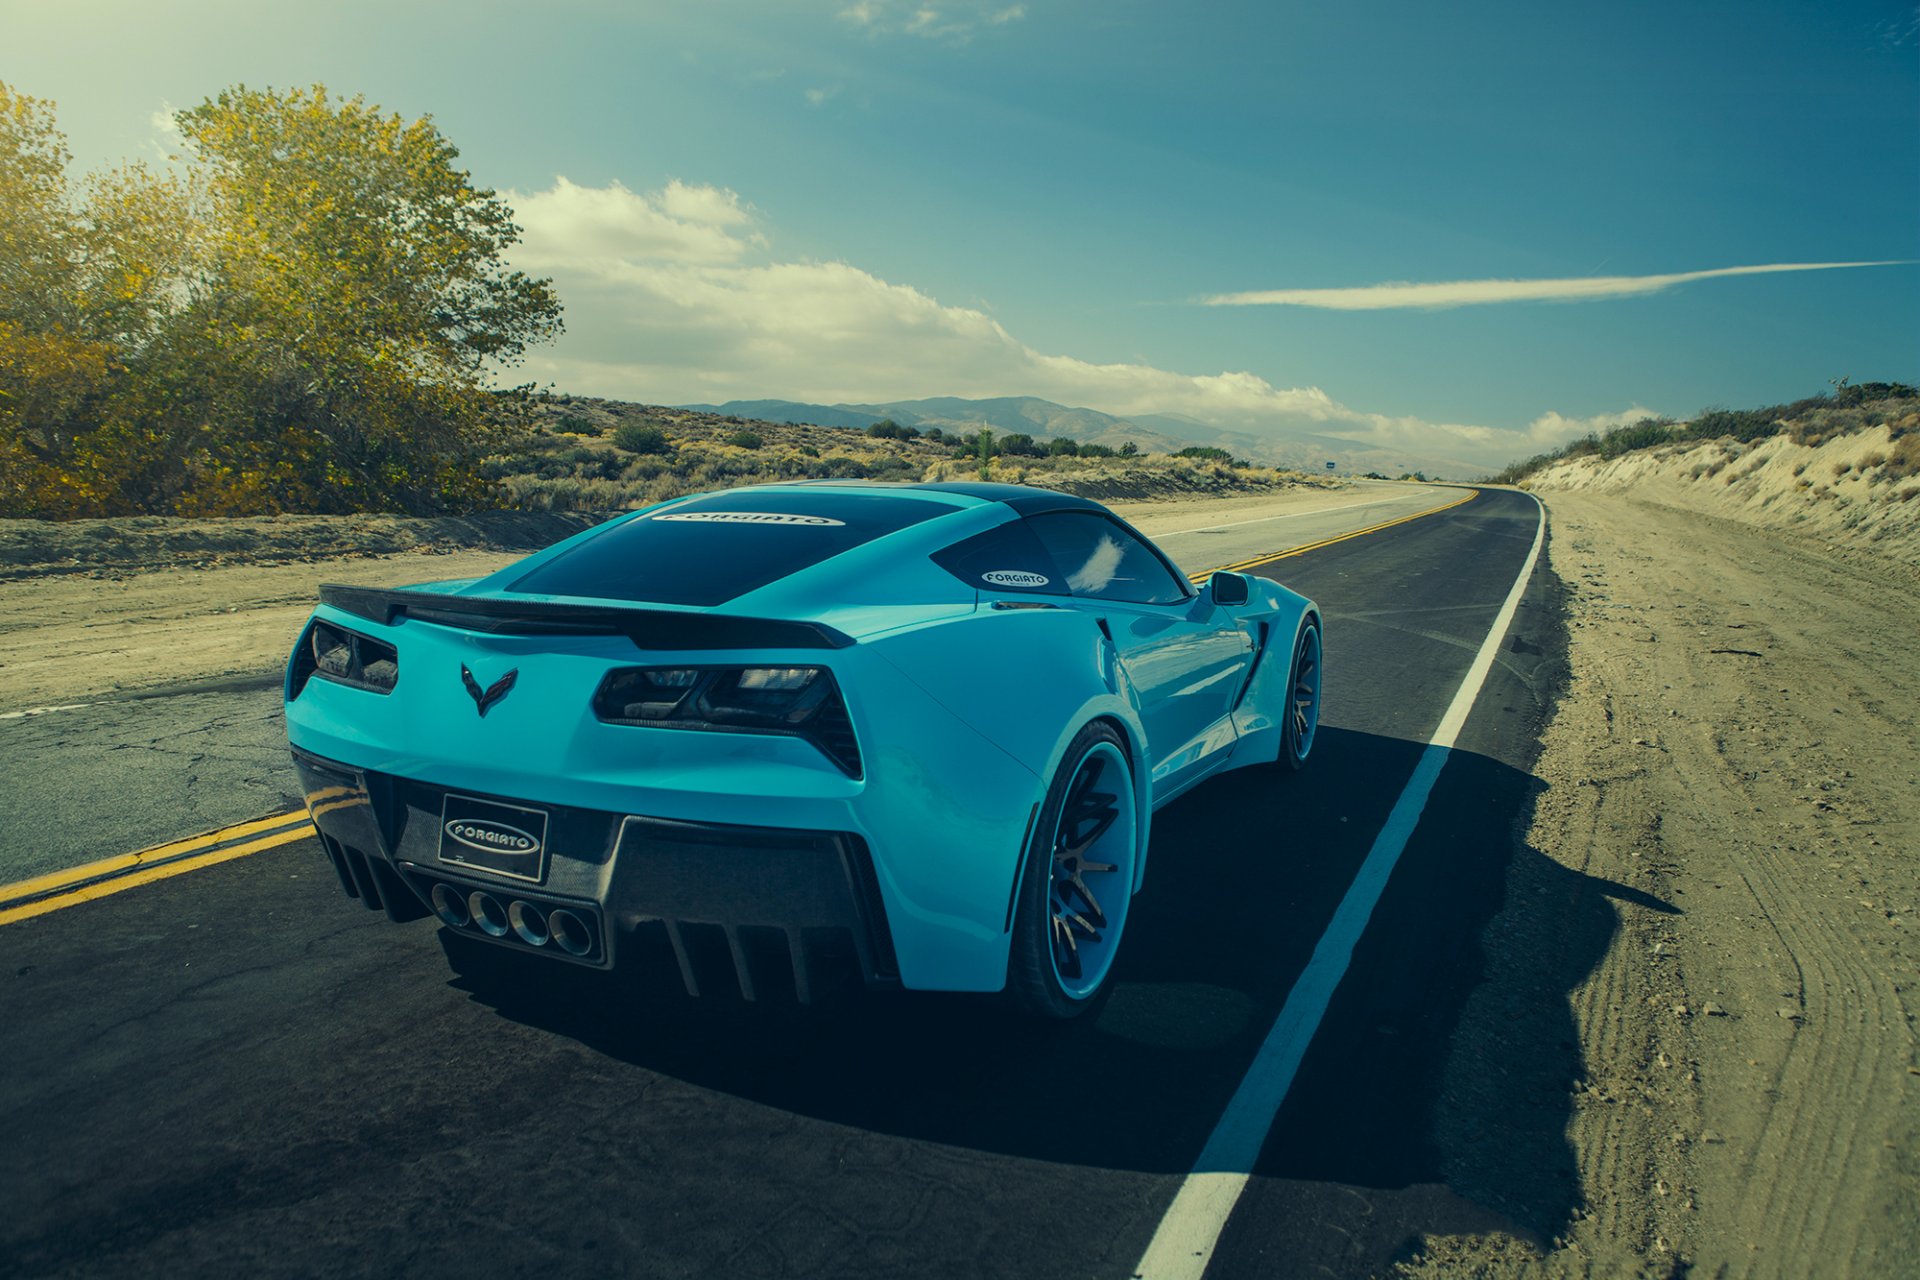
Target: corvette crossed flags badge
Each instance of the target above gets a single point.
(483, 699)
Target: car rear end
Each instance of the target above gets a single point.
(577, 777)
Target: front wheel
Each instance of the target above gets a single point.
(1078, 880)
(1301, 716)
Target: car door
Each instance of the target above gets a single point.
(1185, 657)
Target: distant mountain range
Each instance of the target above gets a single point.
(1152, 433)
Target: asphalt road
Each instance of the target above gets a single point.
(239, 1071)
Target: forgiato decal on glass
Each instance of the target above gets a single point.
(1014, 578)
(747, 517)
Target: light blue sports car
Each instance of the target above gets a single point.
(790, 735)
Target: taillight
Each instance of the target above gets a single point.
(344, 657)
(799, 702)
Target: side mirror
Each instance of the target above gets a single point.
(1229, 588)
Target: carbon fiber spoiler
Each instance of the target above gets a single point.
(647, 628)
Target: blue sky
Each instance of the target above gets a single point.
(869, 200)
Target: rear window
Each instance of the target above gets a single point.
(1062, 553)
(1007, 557)
(717, 548)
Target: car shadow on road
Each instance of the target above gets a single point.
(1244, 875)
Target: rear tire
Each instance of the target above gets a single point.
(1077, 882)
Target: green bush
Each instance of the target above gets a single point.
(745, 440)
(1740, 424)
(1643, 434)
(1848, 394)
(894, 469)
(635, 438)
(578, 425)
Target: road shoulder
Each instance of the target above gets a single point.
(1735, 751)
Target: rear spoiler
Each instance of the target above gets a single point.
(647, 628)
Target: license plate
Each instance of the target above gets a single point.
(500, 839)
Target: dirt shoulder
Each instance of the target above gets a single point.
(1735, 760)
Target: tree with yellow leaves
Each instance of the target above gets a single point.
(304, 319)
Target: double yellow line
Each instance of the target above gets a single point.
(42, 894)
(36, 897)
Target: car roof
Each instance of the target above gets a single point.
(792, 547)
(1025, 499)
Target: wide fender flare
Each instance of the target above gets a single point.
(1029, 680)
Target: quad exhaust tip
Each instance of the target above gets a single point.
(531, 923)
(488, 914)
(571, 934)
(450, 906)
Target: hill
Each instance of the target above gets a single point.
(1150, 433)
(585, 454)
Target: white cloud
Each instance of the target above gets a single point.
(1464, 293)
(702, 205)
(574, 228)
(952, 21)
(1551, 429)
(673, 298)
(167, 141)
(820, 97)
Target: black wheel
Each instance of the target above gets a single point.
(1078, 880)
(1301, 716)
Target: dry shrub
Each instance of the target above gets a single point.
(1905, 458)
(1816, 424)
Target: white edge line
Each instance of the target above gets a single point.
(1184, 1242)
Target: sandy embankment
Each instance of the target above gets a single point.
(101, 607)
(1736, 750)
(1861, 489)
